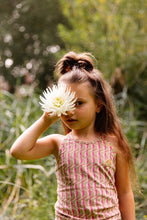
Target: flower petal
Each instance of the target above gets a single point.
(58, 100)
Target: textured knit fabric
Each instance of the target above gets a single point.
(86, 181)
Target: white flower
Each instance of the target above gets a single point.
(58, 100)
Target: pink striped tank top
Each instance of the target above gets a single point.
(86, 184)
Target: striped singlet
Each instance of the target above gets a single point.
(86, 180)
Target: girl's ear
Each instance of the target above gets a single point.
(98, 108)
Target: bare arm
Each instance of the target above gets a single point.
(125, 194)
(28, 146)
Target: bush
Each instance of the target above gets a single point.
(28, 188)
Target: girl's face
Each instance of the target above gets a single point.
(82, 119)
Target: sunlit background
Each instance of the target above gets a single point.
(33, 36)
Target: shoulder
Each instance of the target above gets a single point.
(113, 140)
(121, 163)
(56, 139)
(52, 142)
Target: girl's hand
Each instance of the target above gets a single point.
(49, 118)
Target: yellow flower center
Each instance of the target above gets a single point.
(58, 102)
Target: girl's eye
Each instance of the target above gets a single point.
(78, 103)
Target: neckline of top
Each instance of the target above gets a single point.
(100, 138)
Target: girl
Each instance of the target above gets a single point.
(93, 158)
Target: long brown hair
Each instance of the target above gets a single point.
(79, 68)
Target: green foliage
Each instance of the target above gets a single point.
(115, 33)
(29, 39)
(27, 188)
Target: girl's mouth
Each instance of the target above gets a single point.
(70, 120)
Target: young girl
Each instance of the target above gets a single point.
(93, 158)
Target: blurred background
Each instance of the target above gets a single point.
(33, 36)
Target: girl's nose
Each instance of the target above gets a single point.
(70, 113)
